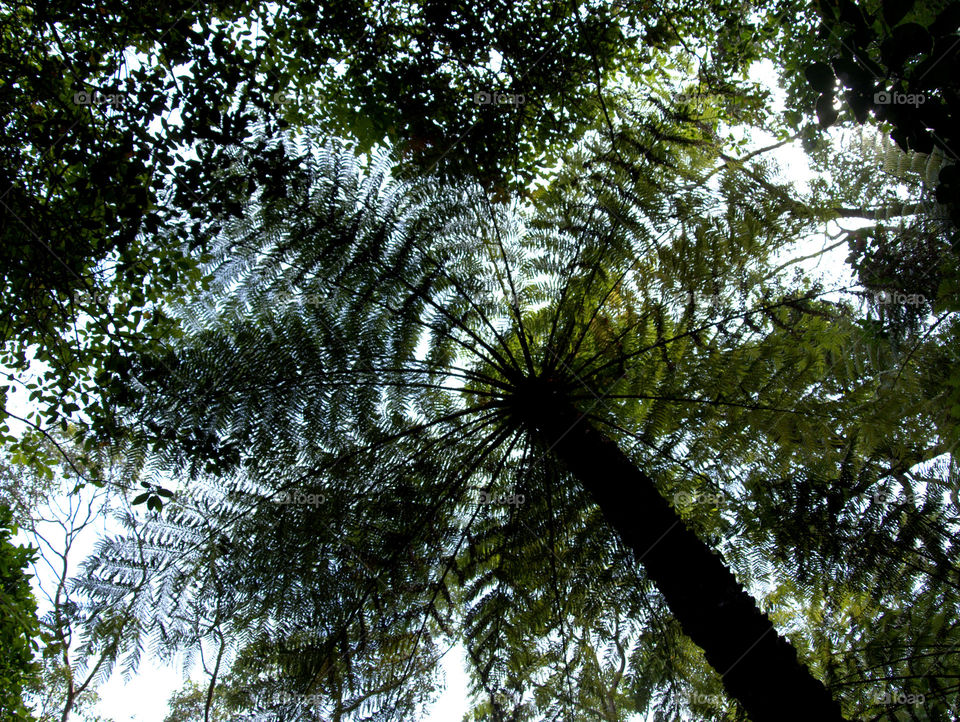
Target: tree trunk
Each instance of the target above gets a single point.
(759, 668)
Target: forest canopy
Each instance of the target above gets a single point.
(351, 332)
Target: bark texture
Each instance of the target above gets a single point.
(759, 668)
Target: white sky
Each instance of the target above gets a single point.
(144, 698)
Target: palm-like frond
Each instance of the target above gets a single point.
(383, 346)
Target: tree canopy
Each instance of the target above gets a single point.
(415, 324)
(18, 623)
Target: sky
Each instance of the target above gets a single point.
(144, 698)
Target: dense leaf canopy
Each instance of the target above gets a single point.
(318, 277)
(385, 321)
(18, 623)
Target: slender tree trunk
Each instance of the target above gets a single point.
(68, 706)
(759, 668)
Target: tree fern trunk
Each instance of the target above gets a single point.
(760, 669)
